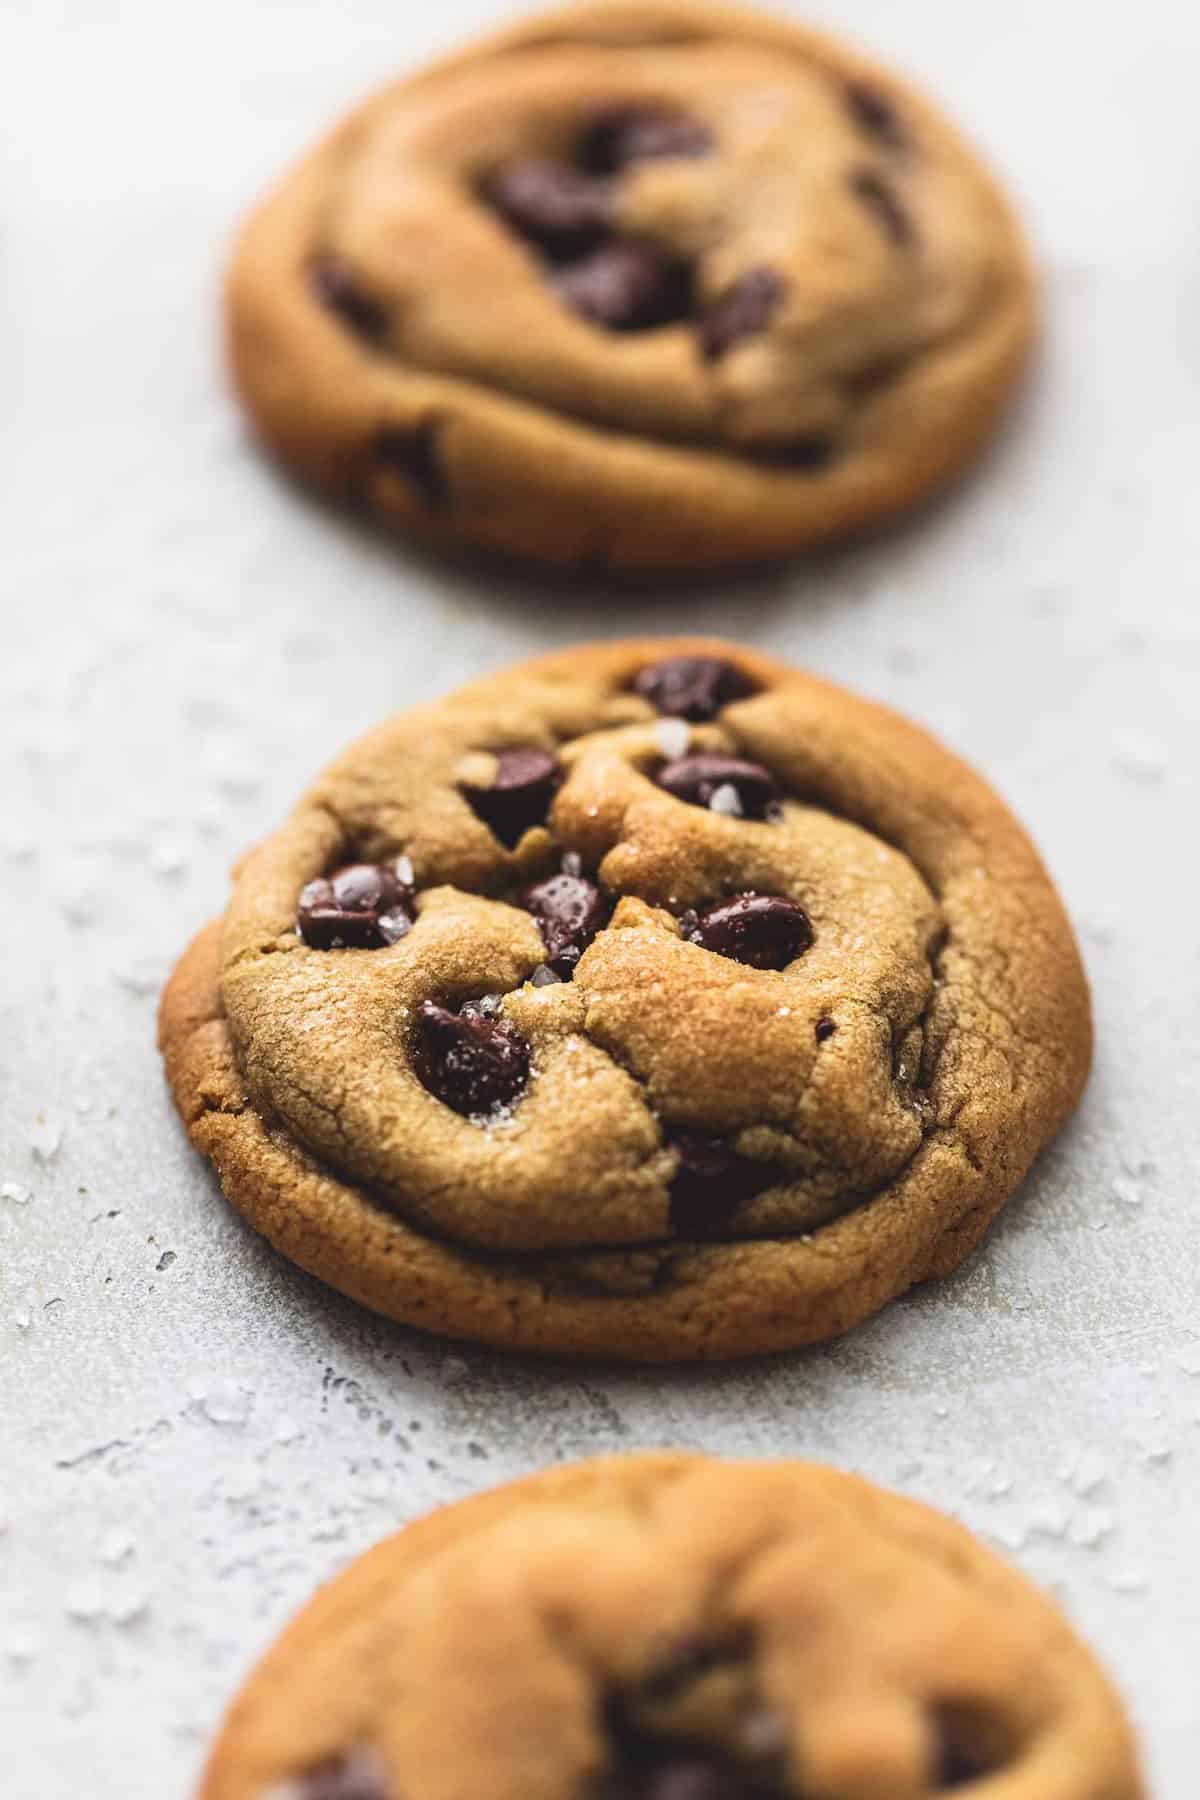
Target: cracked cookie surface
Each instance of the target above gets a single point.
(671, 1627)
(634, 285)
(650, 999)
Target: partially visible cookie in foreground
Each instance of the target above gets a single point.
(670, 1627)
(634, 285)
(651, 999)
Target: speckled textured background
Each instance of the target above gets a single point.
(192, 1434)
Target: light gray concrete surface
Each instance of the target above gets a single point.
(192, 1434)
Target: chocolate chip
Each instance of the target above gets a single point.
(725, 783)
(875, 114)
(472, 1059)
(626, 285)
(526, 782)
(413, 452)
(741, 312)
(825, 1030)
(337, 289)
(879, 195)
(569, 910)
(631, 134)
(362, 906)
(691, 1658)
(558, 208)
(711, 1181)
(353, 1777)
(692, 687)
(690, 1775)
(763, 930)
(808, 453)
(960, 1756)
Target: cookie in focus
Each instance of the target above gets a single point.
(651, 1000)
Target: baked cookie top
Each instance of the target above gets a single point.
(669, 1627)
(656, 998)
(634, 284)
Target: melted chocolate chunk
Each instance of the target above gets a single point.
(711, 1182)
(626, 285)
(691, 1658)
(631, 134)
(960, 1756)
(569, 910)
(808, 453)
(740, 313)
(472, 1059)
(527, 780)
(824, 1030)
(724, 783)
(362, 906)
(353, 1777)
(692, 687)
(880, 197)
(875, 114)
(337, 289)
(412, 451)
(558, 208)
(695, 1775)
(764, 931)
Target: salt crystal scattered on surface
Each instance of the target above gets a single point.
(225, 1403)
(84, 1601)
(144, 976)
(405, 871)
(169, 859)
(20, 1647)
(127, 1607)
(242, 1483)
(1141, 758)
(1090, 1525)
(80, 908)
(544, 976)
(727, 800)
(1090, 1473)
(231, 770)
(15, 1194)
(1049, 1519)
(115, 1548)
(45, 1136)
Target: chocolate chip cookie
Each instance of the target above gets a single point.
(651, 999)
(669, 1627)
(648, 285)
